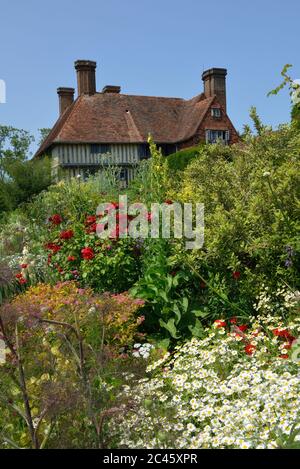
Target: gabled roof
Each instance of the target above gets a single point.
(121, 118)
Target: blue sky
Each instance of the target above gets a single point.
(151, 47)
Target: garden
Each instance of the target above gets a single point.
(123, 342)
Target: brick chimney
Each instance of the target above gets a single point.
(215, 84)
(65, 98)
(86, 76)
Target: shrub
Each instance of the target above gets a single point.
(76, 252)
(251, 198)
(67, 350)
(180, 160)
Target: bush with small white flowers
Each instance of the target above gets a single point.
(237, 388)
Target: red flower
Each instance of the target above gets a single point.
(236, 275)
(283, 333)
(250, 349)
(288, 345)
(233, 320)
(243, 327)
(219, 323)
(67, 234)
(71, 258)
(114, 206)
(24, 266)
(21, 279)
(284, 355)
(87, 253)
(90, 220)
(168, 201)
(92, 228)
(55, 219)
(53, 247)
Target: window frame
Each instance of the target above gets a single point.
(215, 112)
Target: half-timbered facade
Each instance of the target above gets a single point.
(110, 128)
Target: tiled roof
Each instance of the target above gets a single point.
(120, 118)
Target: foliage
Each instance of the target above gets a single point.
(14, 146)
(67, 350)
(44, 132)
(251, 198)
(294, 89)
(76, 252)
(172, 302)
(180, 160)
(20, 179)
(28, 179)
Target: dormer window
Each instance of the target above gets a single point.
(215, 112)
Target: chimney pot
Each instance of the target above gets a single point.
(215, 84)
(86, 76)
(65, 98)
(111, 89)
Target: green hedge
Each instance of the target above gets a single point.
(181, 159)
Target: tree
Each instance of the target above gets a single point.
(20, 178)
(14, 146)
(294, 88)
(44, 132)
(28, 178)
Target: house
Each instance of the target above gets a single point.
(109, 127)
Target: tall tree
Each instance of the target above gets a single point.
(14, 146)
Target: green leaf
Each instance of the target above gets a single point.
(170, 326)
(199, 313)
(185, 304)
(197, 329)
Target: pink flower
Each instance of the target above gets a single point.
(140, 320)
(140, 302)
